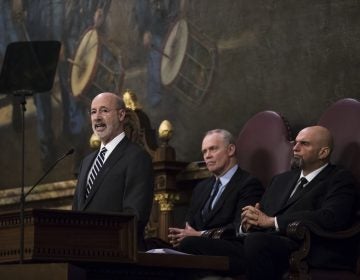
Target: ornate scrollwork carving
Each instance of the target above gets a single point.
(166, 200)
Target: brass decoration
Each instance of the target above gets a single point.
(130, 100)
(94, 141)
(166, 200)
(165, 131)
(165, 152)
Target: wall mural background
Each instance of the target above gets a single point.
(200, 64)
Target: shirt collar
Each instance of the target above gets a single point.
(224, 179)
(112, 144)
(313, 174)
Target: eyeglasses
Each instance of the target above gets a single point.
(102, 111)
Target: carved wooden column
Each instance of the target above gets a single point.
(166, 168)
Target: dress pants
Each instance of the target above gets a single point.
(261, 255)
(216, 247)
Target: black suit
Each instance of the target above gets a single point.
(242, 189)
(328, 200)
(124, 184)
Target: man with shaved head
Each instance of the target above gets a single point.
(316, 191)
(119, 176)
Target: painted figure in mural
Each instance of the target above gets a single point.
(8, 29)
(43, 20)
(79, 16)
(59, 20)
(215, 207)
(119, 176)
(154, 18)
(9, 32)
(315, 190)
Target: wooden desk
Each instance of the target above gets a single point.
(183, 261)
(148, 266)
(68, 236)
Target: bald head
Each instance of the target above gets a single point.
(320, 135)
(312, 149)
(110, 98)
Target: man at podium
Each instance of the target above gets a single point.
(119, 176)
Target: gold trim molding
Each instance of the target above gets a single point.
(166, 200)
(10, 198)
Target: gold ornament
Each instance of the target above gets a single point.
(165, 131)
(94, 141)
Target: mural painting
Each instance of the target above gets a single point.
(199, 64)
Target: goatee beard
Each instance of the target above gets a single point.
(296, 163)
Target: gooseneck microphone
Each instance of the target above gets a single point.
(69, 152)
(24, 195)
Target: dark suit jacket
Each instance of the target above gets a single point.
(329, 201)
(124, 184)
(242, 189)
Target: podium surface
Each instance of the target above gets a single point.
(64, 236)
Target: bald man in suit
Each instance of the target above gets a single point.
(327, 198)
(125, 182)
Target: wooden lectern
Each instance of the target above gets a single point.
(68, 236)
(69, 245)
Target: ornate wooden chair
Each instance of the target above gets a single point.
(263, 146)
(343, 120)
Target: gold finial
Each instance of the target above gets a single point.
(130, 100)
(94, 141)
(165, 131)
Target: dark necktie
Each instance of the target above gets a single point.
(99, 161)
(207, 207)
(296, 192)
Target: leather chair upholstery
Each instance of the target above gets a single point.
(263, 146)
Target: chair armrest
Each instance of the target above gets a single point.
(301, 232)
(298, 267)
(294, 229)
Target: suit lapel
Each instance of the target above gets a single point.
(205, 194)
(310, 186)
(289, 188)
(227, 191)
(83, 177)
(110, 162)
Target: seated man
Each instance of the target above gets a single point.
(217, 202)
(316, 191)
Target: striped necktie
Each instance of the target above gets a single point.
(99, 161)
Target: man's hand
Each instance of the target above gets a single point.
(253, 216)
(178, 234)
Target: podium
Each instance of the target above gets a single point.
(68, 236)
(72, 245)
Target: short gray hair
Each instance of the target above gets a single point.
(226, 135)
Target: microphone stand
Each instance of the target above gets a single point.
(23, 197)
(28, 67)
(22, 95)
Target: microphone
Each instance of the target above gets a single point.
(69, 152)
(24, 195)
